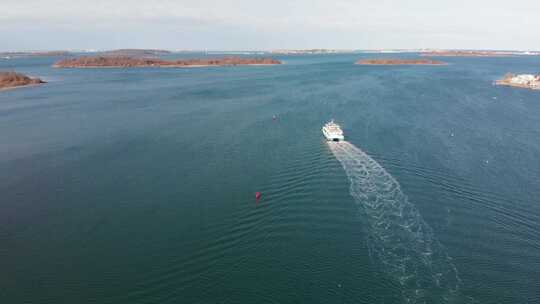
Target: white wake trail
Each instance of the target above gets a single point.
(398, 237)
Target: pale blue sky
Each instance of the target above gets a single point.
(276, 24)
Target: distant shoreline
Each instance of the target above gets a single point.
(9, 55)
(468, 54)
(395, 61)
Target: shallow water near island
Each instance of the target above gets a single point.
(138, 185)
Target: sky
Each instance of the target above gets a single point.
(265, 25)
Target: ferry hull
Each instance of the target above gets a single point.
(332, 137)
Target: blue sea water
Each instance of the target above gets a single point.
(137, 185)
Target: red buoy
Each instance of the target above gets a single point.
(257, 195)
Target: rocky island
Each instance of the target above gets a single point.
(132, 62)
(526, 81)
(9, 80)
(386, 61)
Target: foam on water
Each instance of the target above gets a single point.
(398, 237)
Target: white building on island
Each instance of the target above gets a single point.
(523, 79)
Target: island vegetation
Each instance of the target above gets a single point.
(526, 81)
(393, 61)
(10, 80)
(131, 62)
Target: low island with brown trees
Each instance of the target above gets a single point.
(387, 61)
(132, 62)
(10, 80)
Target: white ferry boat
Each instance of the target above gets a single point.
(332, 131)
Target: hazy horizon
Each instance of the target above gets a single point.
(245, 25)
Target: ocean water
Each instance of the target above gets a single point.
(137, 185)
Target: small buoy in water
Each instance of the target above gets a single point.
(274, 117)
(452, 134)
(257, 195)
